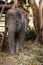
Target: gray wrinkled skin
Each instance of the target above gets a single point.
(16, 22)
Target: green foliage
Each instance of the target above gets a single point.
(30, 34)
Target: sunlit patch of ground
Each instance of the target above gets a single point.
(33, 55)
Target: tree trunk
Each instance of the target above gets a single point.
(15, 3)
(37, 19)
(41, 20)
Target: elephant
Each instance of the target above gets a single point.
(16, 22)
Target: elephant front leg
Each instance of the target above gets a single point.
(11, 41)
(21, 41)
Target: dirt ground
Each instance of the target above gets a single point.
(32, 55)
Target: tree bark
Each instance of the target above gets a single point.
(35, 14)
(41, 19)
(37, 18)
(15, 3)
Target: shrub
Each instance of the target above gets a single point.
(30, 34)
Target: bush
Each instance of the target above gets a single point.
(30, 34)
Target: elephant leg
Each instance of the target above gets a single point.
(11, 40)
